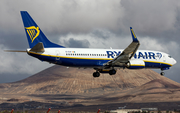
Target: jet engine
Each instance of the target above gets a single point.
(135, 64)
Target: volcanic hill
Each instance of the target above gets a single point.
(59, 84)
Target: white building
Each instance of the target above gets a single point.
(124, 110)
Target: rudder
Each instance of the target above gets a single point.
(34, 33)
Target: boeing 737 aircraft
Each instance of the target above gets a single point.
(101, 60)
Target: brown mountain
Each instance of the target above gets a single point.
(72, 85)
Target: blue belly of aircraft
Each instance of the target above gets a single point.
(71, 61)
(89, 62)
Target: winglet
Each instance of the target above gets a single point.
(133, 35)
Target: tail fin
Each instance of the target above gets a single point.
(34, 33)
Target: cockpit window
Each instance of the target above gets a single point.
(169, 56)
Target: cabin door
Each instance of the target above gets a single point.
(57, 55)
(164, 58)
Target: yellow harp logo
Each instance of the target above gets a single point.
(33, 32)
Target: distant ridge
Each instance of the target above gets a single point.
(126, 86)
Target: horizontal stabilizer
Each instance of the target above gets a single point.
(38, 47)
(14, 51)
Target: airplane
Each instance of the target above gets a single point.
(101, 60)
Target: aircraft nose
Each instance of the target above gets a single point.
(174, 61)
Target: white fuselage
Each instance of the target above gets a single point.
(86, 57)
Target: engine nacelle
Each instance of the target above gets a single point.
(135, 64)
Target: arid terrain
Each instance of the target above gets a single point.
(66, 87)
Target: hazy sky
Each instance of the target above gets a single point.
(90, 24)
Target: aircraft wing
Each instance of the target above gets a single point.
(126, 55)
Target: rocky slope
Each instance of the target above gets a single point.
(78, 85)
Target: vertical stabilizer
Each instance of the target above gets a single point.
(34, 33)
